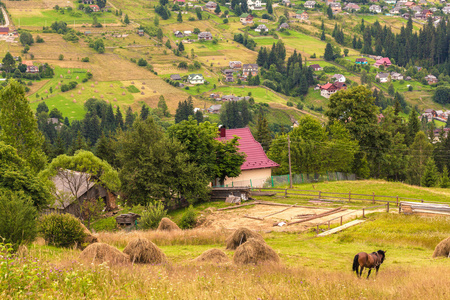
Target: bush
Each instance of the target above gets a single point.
(61, 230)
(290, 104)
(188, 219)
(152, 216)
(85, 59)
(17, 218)
(106, 224)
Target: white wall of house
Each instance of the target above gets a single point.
(257, 176)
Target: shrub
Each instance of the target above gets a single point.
(17, 218)
(106, 224)
(188, 219)
(85, 59)
(62, 230)
(290, 104)
(152, 216)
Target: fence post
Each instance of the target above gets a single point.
(319, 195)
(289, 180)
(285, 193)
(341, 220)
(400, 208)
(422, 200)
(232, 184)
(364, 215)
(397, 200)
(302, 177)
(349, 196)
(387, 207)
(328, 225)
(317, 229)
(251, 183)
(373, 198)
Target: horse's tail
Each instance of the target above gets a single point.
(356, 263)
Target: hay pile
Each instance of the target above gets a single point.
(255, 252)
(168, 225)
(240, 236)
(100, 253)
(442, 249)
(88, 239)
(144, 251)
(213, 256)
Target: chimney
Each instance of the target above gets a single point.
(223, 132)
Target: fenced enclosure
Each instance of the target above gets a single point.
(284, 180)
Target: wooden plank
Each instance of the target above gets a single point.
(283, 204)
(254, 218)
(340, 228)
(277, 212)
(237, 206)
(324, 214)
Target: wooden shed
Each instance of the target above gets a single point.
(127, 219)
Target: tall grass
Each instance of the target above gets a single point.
(200, 236)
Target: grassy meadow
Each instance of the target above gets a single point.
(311, 267)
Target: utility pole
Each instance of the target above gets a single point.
(290, 171)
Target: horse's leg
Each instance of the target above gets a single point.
(377, 270)
(370, 270)
(360, 272)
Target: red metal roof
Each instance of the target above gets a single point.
(256, 157)
(329, 87)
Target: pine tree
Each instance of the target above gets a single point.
(119, 119)
(445, 181)
(391, 90)
(199, 115)
(430, 176)
(322, 37)
(145, 112)
(180, 17)
(329, 55)
(413, 127)
(269, 7)
(217, 10)
(129, 118)
(126, 20)
(180, 47)
(263, 135)
(162, 106)
(329, 13)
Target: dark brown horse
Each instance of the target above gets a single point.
(372, 260)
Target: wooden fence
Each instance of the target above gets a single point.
(352, 212)
(341, 197)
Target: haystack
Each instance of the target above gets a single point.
(240, 236)
(442, 249)
(89, 238)
(168, 225)
(100, 253)
(255, 251)
(144, 251)
(215, 256)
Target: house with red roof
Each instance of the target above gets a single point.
(328, 89)
(385, 61)
(257, 167)
(95, 8)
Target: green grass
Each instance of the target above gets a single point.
(132, 89)
(47, 17)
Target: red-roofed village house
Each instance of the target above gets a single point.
(257, 167)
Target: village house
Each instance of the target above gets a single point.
(94, 8)
(286, 2)
(352, 7)
(215, 109)
(32, 69)
(361, 61)
(210, 6)
(410, 4)
(140, 32)
(375, 9)
(88, 2)
(4, 30)
(196, 79)
(205, 36)
(310, 4)
(316, 67)
(234, 64)
(385, 61)
(301, 15)
(255, 4)
(249, 68)
(179, 2)
(396, 76)
(262, 28)
(229, 78)
(339, 77)
(228, 72)
(431, 79)
(340, 85)
(175, 77)
(187, 32)
(257, 167)
(446, 10)
(283, 26)
(328, 89)
(73, 189)
(395, 11)
(336, 7)
(246, 19)
(178, 34)
(229, 98)
(383, 77)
